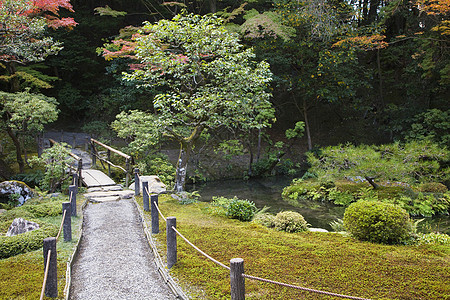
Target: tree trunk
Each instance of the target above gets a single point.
(16, 143)
(14, 84)
(182, 163)
(308, 131)
(372, 183)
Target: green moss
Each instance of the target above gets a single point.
(329, 262)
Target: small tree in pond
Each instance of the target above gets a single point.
(206, 80)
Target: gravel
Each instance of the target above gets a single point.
(115, 260)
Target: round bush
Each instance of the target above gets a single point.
(265, 219)
(378, 222)
(290, 221)
(242, 210)
(433, 187)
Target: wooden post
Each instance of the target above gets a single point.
(67, 225)
(109, 159)
(145, 197)
(94, 158)
(171, 239)
(79, 171)
(237, 281)
(127, 172)
(155, 214)
(137, 188)
(51, 286)
(73, 199)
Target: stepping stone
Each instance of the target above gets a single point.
(105, 189)
(120, 194)
(104, 199)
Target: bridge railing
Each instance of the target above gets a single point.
(95, 155)
(76, 170)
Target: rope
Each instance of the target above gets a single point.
(156, 205)
(162, 216)
(45, 274)
(302, 288)
(203, 253)
(62, 223)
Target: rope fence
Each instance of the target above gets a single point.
(236, 267)
(50, 281)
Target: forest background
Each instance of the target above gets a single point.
(368, 71)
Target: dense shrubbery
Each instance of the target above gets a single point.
(416, 202)
(290, 221)
(378, 222)
(25, 242)
(265, 219)
(234, 208)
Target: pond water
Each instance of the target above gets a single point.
(267, 192)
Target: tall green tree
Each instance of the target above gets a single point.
(25, 114)
(205, 78)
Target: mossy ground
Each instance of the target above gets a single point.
(326, 261)
(21, 276)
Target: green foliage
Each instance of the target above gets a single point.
(265, 219)
(434, 125)
(290, 221)
(243, 210)
(53, 160)
(337, 225)
(410, 163)
(378, 222)
(433, 187)
(233, 208)
(28, 241)
(159, 165)
(32, 179)
(432, 238)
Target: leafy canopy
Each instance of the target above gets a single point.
(205, 77)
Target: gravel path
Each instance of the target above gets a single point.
(115, 260)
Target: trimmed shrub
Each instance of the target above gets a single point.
(290, 221)
(28, 241)
(433, 187)
(378, 222)
(242, 210)
(265, 219)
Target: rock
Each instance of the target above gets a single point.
(8, 188)
(20, 226)
(176, 197)
(155, 185)
(317, 230)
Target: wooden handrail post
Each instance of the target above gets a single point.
(94, 158)
(171, 239)
(137, 188)
(66, 206)
(145, 197)
(73, 199)
(237, 281)
(154, 213)
(80, 168)
(109, 159)
(127, 172)
(51, 286)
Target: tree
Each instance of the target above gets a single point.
(205, 79)
(408, 163)
(23, 114)
(24, 39)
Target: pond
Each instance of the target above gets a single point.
(267, 192)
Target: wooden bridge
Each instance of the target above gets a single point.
(100, 186)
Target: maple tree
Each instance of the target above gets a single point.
(204, 77)
(23, 35)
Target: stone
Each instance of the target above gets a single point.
(20, 226)
(155, 185)
(317, 230)
(13, 187)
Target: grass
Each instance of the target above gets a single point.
(326, 261)
(21, 276)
